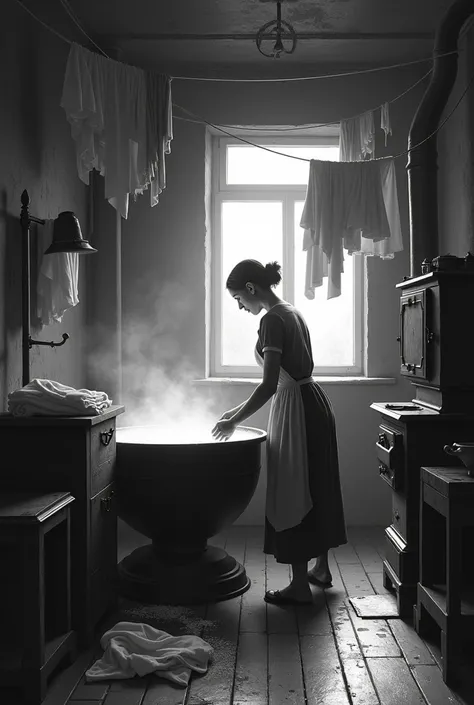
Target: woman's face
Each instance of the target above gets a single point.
(247, 300)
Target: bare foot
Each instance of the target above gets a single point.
(297, 593)
(320, 573)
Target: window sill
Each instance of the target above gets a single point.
(231, 381)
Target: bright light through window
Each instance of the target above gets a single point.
(258, 201)
(251, 165)
(249, 231)
(330, 322)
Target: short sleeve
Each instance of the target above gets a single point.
(271, 333)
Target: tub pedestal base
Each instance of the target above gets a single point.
(211, 576)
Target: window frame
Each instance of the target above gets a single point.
(287, 195)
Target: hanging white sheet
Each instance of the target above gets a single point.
(121, 122)
(351, 205)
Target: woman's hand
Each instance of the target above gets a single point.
(224, 429)
(227, 415)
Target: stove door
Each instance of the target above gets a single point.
(414, 334)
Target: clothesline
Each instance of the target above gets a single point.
(221, 127)
(309, 126)
(312, 78)
(291, 156)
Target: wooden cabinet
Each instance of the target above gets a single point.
(76, 455)
(407, 439)
(436, 352)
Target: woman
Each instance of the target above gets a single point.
(304, 509)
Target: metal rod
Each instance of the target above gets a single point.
(153, 37)
(118, 284)
(25, 286)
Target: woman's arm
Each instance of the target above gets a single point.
(265, 390)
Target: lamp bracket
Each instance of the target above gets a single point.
(51, 344)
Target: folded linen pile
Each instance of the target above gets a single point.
(43, 397)
(135, 649)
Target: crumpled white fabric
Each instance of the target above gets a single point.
(287, 455)
(351, 205)
(357, 137)
(58, 279)
(44, 397)
(136, 649)
(121, 121)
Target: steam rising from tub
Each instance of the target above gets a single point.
(158, 372)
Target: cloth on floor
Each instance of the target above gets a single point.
(136, 649)
(121, 122)
(351, 205)
(44, 397)
(58, 279)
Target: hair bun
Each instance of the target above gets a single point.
(273, 273)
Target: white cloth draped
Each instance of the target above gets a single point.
(121, 122)
(136, 649)
(351, 205)
(58, 279)
(357, 137)
(358, 144)
(288, 497)
(44, 397)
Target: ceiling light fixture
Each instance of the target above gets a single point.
(277, 30)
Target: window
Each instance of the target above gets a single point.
(258, 199)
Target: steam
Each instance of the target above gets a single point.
(158, 376)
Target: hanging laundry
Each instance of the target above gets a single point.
(385, 121)
(347, 205)
(58, 279)
(121, 122)
(357, 137)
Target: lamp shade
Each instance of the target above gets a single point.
(67, 236)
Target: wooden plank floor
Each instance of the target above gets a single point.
(267, 655)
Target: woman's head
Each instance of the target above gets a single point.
(250, 283)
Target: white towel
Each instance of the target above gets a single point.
(43, 397)
(58, 279)
(132, 649)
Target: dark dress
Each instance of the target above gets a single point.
(283, 329)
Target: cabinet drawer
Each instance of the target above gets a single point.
(103, 529)
(399, 514)
(103, 452)
(403, 562)
(389, 448)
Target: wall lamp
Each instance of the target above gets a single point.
(67, 237)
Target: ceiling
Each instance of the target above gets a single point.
(217, 37)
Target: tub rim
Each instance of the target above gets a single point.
(260, 437)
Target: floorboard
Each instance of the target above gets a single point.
(323, 654)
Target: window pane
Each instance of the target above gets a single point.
(251, 165)
(330, 322)
(250, 230)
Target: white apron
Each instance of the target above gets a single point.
(288, 494)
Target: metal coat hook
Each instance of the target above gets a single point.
(52, 344)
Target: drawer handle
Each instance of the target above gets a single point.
(106, 502)
(383, 470)
(106, 437)
(383, 441)
(396, 515)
